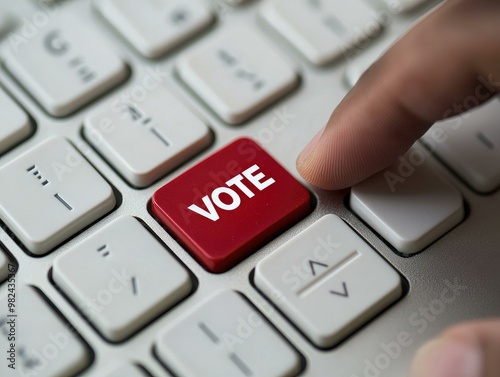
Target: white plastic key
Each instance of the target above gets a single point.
(44, 345)
(50, 193)
(134, 278)
(156, 27)
(14, 123)
(328, 281)
(470, 145)
(220, 338)
(322, 30)
(144, 141)
(65, 65)
(408, 204)
(234, 80)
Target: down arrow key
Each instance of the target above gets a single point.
(345, 293)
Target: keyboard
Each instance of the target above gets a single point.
(153, 223)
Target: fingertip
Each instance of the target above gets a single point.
(448, 357)
(316, 163)
(306, 152)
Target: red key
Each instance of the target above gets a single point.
(230, 204)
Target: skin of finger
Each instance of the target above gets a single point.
(483, 335)
(444, 357)
(434, 66)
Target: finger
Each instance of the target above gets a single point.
(426, 75)
(467, 350)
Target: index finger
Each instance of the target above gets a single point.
(422, 79)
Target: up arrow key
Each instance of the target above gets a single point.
(344, 293)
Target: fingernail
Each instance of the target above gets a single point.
(310, 147)
(448, 358)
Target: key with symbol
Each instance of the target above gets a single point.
(470, 145)
(230, 204)
(51, 181)
(226, 331)
(134, 278)
(329, 281)
(156, 27)
(146, 140)
(65, 65)
(43, 344)
(322, 30)
(235, 81)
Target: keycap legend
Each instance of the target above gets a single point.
(230, 204)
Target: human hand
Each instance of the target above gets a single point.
(422, 79)
(451, 55)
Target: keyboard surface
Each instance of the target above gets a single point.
(153, 223)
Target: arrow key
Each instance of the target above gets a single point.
(330, 282)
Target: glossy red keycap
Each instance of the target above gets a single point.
(230, 204)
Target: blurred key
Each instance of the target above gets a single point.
(470, 145)
(45, 346)
(156, 27)
(322, 30)
(209, 342)
(234, 80)
(65, 65)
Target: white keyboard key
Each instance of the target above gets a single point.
(322, 30)
(45, 346)
(50, 193)
(134, 279)
(15, 124)
(408, 204)
(221, 337)
(234, 80)
(66, 65)
(404, 5)
(5, 266)
(470, 145)
(147, 140)
(125, 370)
(328, 281)
(156, 27)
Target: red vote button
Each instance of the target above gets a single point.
(230, 204)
